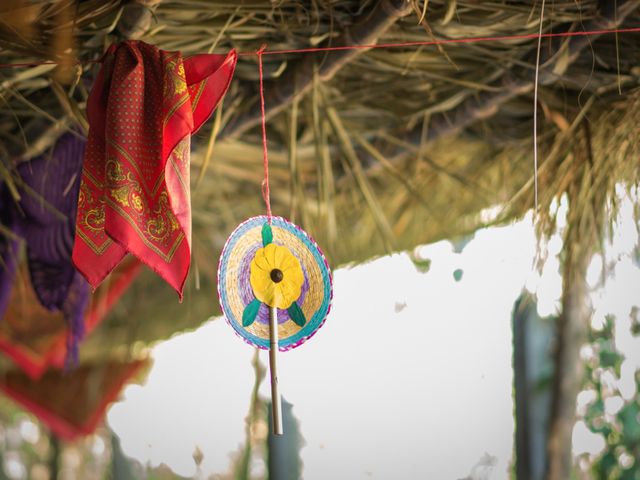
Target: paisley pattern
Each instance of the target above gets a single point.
(134, 197)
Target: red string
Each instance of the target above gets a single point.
(500, 38)
(265, 155)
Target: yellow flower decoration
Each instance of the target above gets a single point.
(276, 276)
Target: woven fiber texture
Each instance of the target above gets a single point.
(235, 291)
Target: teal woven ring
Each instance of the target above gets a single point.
(247, 315)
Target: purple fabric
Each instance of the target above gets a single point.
(73, 309)
(49, 238)
(8, 263)
(8, 252)
(45, 219)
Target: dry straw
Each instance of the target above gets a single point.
(409, 153)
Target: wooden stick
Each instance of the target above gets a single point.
(276, 404)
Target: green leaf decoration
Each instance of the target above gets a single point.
(267, 234)
(296, 314)
(250, 313)
(457, 274)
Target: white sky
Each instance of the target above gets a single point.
(425, 392)
(378, 394)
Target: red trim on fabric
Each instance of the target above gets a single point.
(64, 428)
(155, 108)
(33, 364)
(116, 226)
(110, 396)
(98, 308)
(58, 425)
(125, 276)
(218, 79)
(95, 268)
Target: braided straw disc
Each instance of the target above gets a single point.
(235, 291)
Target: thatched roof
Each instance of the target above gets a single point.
(371, 151)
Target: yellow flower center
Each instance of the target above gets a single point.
(276, 276)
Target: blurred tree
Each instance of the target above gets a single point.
(620, 458)
(120, 465)
(283, 451)
(533, 370)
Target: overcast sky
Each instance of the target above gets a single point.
(409, 378)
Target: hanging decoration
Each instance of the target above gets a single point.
(45, 303)
(36, 339)
(72, 404)
(44, 218)
(273, 265)
(134, 196)
(274, 283)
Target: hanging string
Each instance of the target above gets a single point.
(265, 155)
(500, 38)
(262, 51)
(535, 119)
(448, 41)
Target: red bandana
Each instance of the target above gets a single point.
(72, 403)
(36, 338)
(134, 196)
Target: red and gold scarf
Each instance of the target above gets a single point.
(134, 195)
